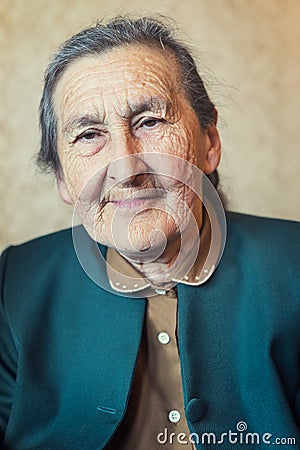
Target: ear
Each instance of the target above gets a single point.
(212, 148)
(62, 188)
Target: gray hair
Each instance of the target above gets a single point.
(104, 37)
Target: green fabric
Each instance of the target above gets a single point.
(69, 348)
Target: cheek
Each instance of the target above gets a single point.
(182, 140)
(75, 179)
(174, 142)
(76, 170)
(82, 176)
(181, 180)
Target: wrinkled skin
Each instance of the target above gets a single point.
(125, 103)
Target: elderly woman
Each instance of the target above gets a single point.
(123, 333)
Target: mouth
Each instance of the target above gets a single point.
(136, 199)
(132, 203)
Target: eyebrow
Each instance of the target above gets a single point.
(80, 122)
(153, 104)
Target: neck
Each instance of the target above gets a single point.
(158, 271)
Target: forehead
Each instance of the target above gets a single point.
(124, 75)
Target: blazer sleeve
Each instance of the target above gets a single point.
(8, 354)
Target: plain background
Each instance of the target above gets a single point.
(248, 53)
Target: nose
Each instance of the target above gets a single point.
(129, 163)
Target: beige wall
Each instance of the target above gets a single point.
(252, 48)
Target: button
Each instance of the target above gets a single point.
(174, 416)
(195, 410)
(163, 338)
(160, 291)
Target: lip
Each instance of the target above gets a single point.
(132, 203)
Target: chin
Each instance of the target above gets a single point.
(144, 236)
(141, 249)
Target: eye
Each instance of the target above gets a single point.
(90, 141)
(89, 135)
(149, 122)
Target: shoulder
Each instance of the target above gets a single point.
(24, 267)
(48, 264)
(43, 244)
(239, 220)
(44, 275)
(264, 245)
(55, 249)
(54, 253)
(269, 232)
(37, 256)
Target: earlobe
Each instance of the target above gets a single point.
(213, 150)
(62, 189)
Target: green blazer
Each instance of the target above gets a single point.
(69, 348)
